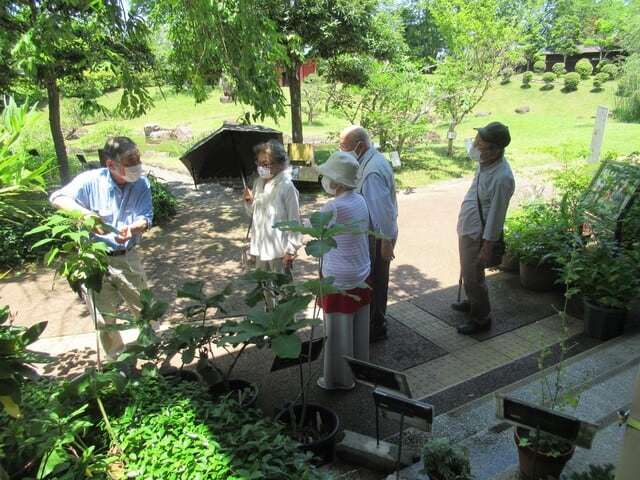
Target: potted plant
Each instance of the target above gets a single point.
(539, 453)
(544, 235)
(314, 426)
(607, 278)
(444, 461)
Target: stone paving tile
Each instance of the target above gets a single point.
(511, 345)
(538, 334)
(481, 357)
(450, 370)
(430, 327)
(422, 382)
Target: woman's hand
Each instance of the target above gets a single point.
(288, 259)
(247, 195)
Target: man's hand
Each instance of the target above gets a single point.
(97, 221)
(386, 250)
(128, 231)
(486, 251)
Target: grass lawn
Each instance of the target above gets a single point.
(558, 128)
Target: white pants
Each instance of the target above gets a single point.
(124, 282)
(347, 334)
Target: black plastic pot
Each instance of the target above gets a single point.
(245, 392)
(180, 375)
(603, 323)
(324, 446)
(539, 279)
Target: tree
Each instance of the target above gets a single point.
(481, 42)
(63, 39)
(421, 32)
(237, 41)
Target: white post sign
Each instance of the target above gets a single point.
(598, 134)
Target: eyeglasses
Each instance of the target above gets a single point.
(267, 165)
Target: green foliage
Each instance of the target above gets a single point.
(559, 69)
(16, 359)
(506, 75)
(21, 188)
(611, 70)
(539, 66)
(628, 96)
(526, 78)
(599, 79)
(68, 235)
(607, 274)
(16, 248)
(584, 68)
(571, 82)
(446, 461)
(174, 431)
(548, 78)
(165, 205)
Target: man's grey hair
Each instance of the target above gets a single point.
(118, 148)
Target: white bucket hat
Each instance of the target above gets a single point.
(340, 168)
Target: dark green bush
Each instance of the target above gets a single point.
(540, 66)
(526, 78)
(559, 69)
(15, 248)
(599, 80)
(506, 75)
(584, 68)
(165, 205)
(548, 78)
(611, 70)
(571, 81)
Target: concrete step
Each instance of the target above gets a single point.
(604, 375)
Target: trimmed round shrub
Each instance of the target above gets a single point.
(506, 75)
(599, 79)
(611, 70)
(571, 81)
(548, 78)
(540, 66)
(526, 78)
(559, 69)
(584, 68)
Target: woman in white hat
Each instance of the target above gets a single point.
(346, 317)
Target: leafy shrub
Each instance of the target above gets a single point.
(165, 205)
(559, 69)
(548, 78)
(571, 81)
(611, 70)
(599, 79)
(628, 94)
(176, 431)
(596, 472)
(584, 68)
(526, 78)
(446, 461)
(15, 248)
(540, 66)
(506, 75)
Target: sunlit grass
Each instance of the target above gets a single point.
(558, 128)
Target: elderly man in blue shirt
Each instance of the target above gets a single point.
(121, 198)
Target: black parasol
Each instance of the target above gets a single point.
(227, 152)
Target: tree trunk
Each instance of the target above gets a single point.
(296, 102)
(55, 124)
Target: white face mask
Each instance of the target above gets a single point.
(326, 184)
(474, 154)
(131, 174)
(264, 172)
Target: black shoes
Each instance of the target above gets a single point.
(472, 327)
(464, 306)
(378, 333)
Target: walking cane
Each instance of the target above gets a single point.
(459, 286)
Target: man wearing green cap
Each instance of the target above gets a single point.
(481, 220)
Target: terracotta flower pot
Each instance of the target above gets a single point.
(545, 465)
